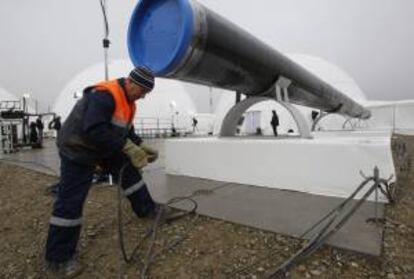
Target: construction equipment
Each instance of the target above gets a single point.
(15, 131)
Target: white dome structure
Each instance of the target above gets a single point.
(168, 103)
(169, 100)
(261, 113)
(91, 75)
(331, 74)
(6, 95)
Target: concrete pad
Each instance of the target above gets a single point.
(45, 160)
(286, 212)
(327, 165)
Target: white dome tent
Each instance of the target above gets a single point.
(337, 78)
(331, 74)
(6, 95)
(168, 104)
(91, 75)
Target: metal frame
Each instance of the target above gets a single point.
(281, 95)
(322, 115)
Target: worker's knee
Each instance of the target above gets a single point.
(142, 202)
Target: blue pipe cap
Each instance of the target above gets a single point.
(159, 34)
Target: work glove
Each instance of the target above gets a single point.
(136, 154)
(151, 152)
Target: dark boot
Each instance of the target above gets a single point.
(68, 269)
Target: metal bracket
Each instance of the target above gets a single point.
(281, 95)
(281, 89)
(322, 115)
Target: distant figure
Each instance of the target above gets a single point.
(33, 137)
(195, 122)
(55, 124)
(239, 125)
(274, 122)
(174, 132)
(40, 127)
(314, 115)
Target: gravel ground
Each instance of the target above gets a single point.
(212, 248)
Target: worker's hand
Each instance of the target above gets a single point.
(151, 152)
(136, 154)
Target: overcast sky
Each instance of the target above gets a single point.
(44, 43)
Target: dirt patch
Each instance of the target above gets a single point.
(212, 248)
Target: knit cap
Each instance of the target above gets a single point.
(143, 77)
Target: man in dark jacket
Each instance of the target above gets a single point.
(40, 127)
(98, 131)
(274, 122)
(55, 124)
(194, 124)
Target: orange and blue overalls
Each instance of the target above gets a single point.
(94, 133)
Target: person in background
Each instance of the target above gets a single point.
(274, 122)
(314, 115)
(98, 131)
(55, 124)
(40, 127)
(194, 123)
(33, 135)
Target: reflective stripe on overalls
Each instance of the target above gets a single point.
(64, 222)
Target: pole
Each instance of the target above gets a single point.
(210, 100)
(24, 121)
(105, 42)
(238, 97)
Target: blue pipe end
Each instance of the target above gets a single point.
(159, 34)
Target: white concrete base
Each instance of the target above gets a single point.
(327, 165)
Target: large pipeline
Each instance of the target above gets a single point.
(182, 39)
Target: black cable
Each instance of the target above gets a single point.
(105, 18)
(153, 230)
(338, 208)
(315, 243)
(150, 256)
(326, 232)
(105, 41)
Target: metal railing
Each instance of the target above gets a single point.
(390, 117)
(155, 127)
(10, 105)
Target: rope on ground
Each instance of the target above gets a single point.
(158, 222)
(328, 230)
